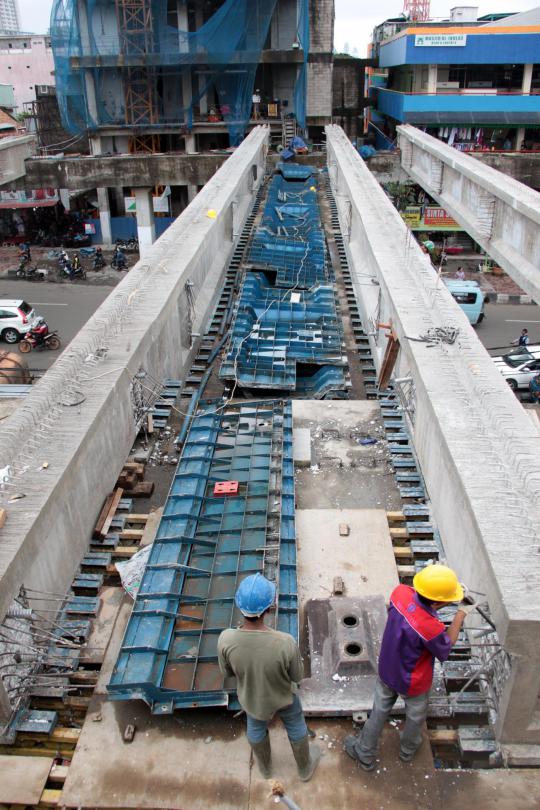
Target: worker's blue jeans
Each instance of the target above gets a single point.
(415, 714)
(292, 717)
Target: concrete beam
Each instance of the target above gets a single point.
(477, 447)
(524, 166)
(135, 171)
(13, 153)
(81, 417)
(502, 215)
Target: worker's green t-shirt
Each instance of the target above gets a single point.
(267, 665)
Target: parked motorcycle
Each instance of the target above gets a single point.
(128, 244)
(29, 272)
(39, 337)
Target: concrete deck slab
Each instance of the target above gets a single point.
(189, 761)
(365, 559)
(302, 447)
(22, 779)
(344, 474)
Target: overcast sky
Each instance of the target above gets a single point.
(355, 19)
(355, 22)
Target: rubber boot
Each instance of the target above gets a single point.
(307, 757)
(263, 756)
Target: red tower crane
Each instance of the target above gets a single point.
(417, 10)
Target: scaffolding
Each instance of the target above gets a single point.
(127, 64)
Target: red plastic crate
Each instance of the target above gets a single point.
(226, 488)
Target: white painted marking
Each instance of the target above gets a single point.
(521, 321)
(48, 304)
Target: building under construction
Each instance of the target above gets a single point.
(161, 75)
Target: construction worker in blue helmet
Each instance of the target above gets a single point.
(267, 666)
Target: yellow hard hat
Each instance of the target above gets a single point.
(211, 213)
(312, 188)
(438, 583)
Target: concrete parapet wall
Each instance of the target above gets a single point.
(500, 213)
(477, 448)
(80, 418)
(134, 171)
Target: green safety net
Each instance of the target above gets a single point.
(130, 65)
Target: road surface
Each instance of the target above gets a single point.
(65, 307)
(504, 323)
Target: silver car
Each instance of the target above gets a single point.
(16, 318)
(519, 366)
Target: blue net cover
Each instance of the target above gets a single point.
(153, 60)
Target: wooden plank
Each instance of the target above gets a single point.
(106, 525)
(394, 533)
(395, 517)
(403, 551)
(406, 570)
(3, 516)
(132, 534)
(102, 516)
(150, 424)
(143, 489)
(58, 774)
(125, 551)
(67, 735)
(443, 736)
(50, 797)
(22, 751)
(134, 466)
(135, 518)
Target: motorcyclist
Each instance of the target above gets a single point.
(24, 253)
(119, 259)
(99, 261)
(39, 331)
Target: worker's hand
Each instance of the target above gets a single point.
(468, 605)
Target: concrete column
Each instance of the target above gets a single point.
(432, 78)
(199, 22)
(146, 228)
(104, 215)
(527, 79)
(192, 192)
(191, 143)
(520, 136)
(183, 25)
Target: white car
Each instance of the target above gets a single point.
(16, 318)
(519, 366)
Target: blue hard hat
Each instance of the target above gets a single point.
(255, 594)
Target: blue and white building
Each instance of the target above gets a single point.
(472, 83)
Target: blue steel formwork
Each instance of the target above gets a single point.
(204, 546)
(290, 239)
(275, 330)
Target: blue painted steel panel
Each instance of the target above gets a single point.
(276, 329)
(408, 107)
(204, 546)
(487, 49)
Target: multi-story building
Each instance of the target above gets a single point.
(473, 83)
(10, 22)
(26, 60)
(156, 75)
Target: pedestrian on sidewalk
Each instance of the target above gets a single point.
(522, 340)
(412, 639)
(460, 274)
(267, 666)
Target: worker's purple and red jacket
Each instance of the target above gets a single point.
(412, 639)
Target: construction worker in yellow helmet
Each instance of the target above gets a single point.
(413, 637)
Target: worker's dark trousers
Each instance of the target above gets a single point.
(411, 736)
(292, 718)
